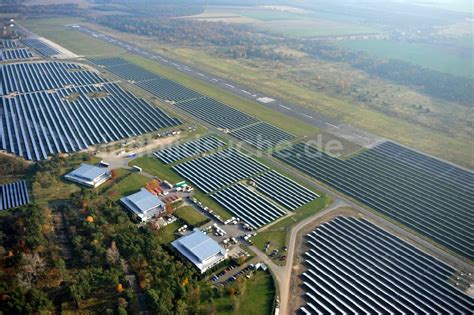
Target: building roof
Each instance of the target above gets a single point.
(88, 172)
(200, 245)
(143, 203)
(200, 249)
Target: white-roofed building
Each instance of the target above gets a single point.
(143, 204)
(89, 175)
(200, 249)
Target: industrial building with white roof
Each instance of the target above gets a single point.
(89, 175)
(200, 249)
(143, 204)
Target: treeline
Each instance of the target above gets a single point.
(69, 9)
(434, 83)
(77, 256)
(186, 31)
(142, 9)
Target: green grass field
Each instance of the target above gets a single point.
(257, 298)
(191, 216)
(277, 234)
(167, 233)
(436, 57)
(127, 186)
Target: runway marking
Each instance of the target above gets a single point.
(230, 85)
(307, 115)
(337, 127)
(215, 80)
(285, 107)
(246, 92)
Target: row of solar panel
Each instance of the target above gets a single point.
(40, 46)
(285, 191)
(189, 149)
(445, 171)
(13, 195)
(354, 267)
(261, 135)
(219, 169)
(38, 124)
(9, 43)
(15, 54)
(247, 205)
(433, 206)
(41, 76)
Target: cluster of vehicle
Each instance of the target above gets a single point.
(247, 272)
(206, 209)
(216, 277)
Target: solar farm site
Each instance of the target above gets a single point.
(429, 196)
(189, 149)
(78, 108)
(250, 130)
(266, 197)
(13, 195)
(354, 267)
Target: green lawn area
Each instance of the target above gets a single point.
(156, 168)
(432, 56)
(127, 186)
(167, 233)
(277, 234)
(191, 216)
(257, 298)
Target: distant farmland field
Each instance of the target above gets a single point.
(456, 60)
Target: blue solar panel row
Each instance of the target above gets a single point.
(40, 46)
(15, 54)
(354, 267)
(13, 195)
(263, 135)
(38, 124)
(219, 169)
(189, 149)
(9, 43)
(39, 76)
(247, 205)
(283, 190)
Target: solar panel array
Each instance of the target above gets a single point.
(168, 90)
(131, 72)
(257, 133)
(15, 54)
(40, 46)
(35, 125)
(354, 267)
(219, 169)
(244, 203)
(38, 76)
(263, 135)
(109, 61)
(9, 43)
(438, 206)
(285, 191)
(13, 195)
(216, 113)
(189, 149)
